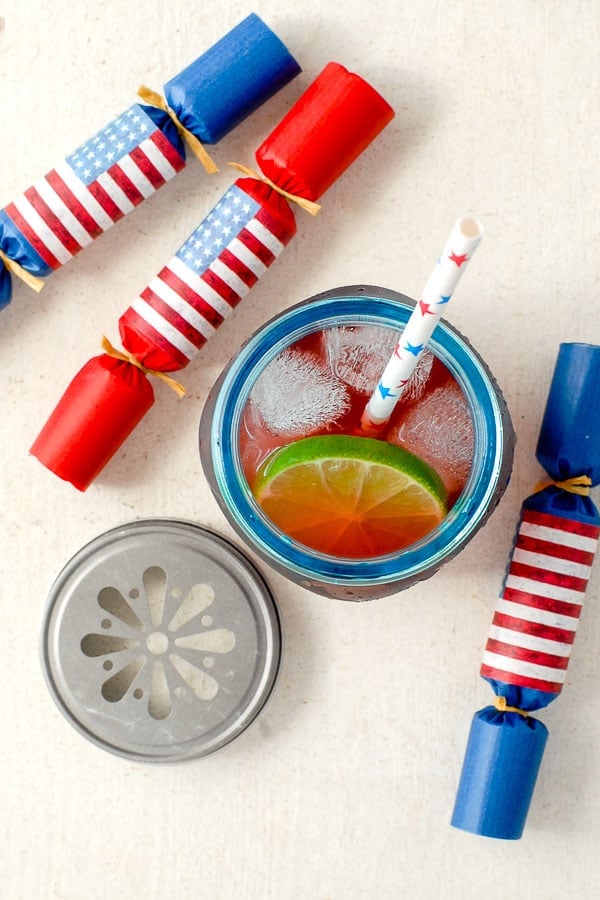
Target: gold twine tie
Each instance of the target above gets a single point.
(18, 271)
(309, 205)
(129, 358)
(579, 484)
(154, 99)
(502, 706)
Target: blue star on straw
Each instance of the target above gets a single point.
(385, 392)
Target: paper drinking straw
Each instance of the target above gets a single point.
(455, 256)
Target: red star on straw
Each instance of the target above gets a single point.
(425, 308)
(459, 260)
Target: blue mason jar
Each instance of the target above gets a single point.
(355, 579)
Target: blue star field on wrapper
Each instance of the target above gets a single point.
(536, 617)
(139, 151)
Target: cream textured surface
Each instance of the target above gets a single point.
(344, 788)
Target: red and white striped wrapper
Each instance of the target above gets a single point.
(94, 187)
(204, 281)
(536, 616)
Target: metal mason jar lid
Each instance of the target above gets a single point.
(161, 642)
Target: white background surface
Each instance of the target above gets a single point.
(344, 788)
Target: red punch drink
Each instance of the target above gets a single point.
(345, 514)
(349, 495)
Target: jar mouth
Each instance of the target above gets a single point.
(491, 427)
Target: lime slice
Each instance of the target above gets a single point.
(350, 496)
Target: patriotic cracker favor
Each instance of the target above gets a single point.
(535, 620)
(324, 132)
(138, 152)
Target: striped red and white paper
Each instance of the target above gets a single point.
(94, 187)
(223, 258)
(536, 617)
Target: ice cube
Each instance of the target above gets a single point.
(297, 395)
(439, 429)
(359, 354)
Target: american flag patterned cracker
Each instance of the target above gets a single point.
(138, 152)
(205, 280)
(536, 617)
(181, 307)
(94, 187)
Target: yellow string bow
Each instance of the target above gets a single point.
(309, 205)
(579, 484)
(154, 99)
(30, 280)
(502, 706)
(128, 357)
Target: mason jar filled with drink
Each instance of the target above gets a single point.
(346, 506)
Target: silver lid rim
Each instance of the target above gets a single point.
(193, 749)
